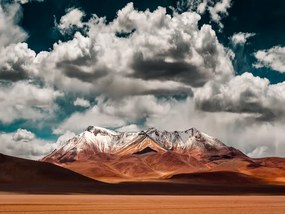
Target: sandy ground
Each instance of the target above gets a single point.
(140, 204)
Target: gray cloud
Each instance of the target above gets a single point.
(103, 63)
(114, 113)
(184, 56)
(161, 70)
(16, 62)
(243, 94)
(73, 71)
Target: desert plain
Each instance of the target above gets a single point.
(22, 203)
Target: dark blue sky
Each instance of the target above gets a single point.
(266, 20)
(39, 17)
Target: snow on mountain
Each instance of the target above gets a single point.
(183, 140)
(100, 140)
(100, 153)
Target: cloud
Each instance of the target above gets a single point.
(234, 129)
(27, 1)
(22, 100)
(25, 144)
(114, 113)
(243, 94)
(259, 152)
(102, 62)
(73, 67)
(72, 19)
(16, 59)
(63, 138)
(207, 60)
(16, 62)
(161, 54)
(241, 60)
(129, 128)
(145, 69)
(140, 112)
(217, 9)
(81, 102)
(241, 38)
(23, 135)
(10, 14)
(273, 58)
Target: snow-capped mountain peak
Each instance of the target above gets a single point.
(96, 140)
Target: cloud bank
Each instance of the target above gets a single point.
(141, 69)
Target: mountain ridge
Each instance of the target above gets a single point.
(101, 140)
(111, 156)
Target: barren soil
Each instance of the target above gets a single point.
(140, 204)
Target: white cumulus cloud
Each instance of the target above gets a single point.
(243, 94)
(22, 100)
(73, 18)
(241, 38)
(24, 144)
(81, 102)
(16, 62)
(23, 135)
(162, 54)
(217, 9)
(273, 58)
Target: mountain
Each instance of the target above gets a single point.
(112, 156)
(96, 140)
(27, 176)
(21, 175)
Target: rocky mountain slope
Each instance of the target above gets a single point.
(112, 156)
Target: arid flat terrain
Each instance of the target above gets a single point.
(141, 204)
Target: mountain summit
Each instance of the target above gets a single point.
(95, 140)
(152, 154)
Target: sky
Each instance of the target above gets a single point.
(217, 65)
